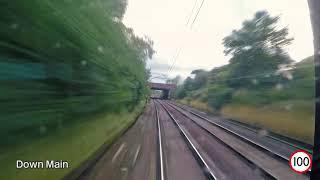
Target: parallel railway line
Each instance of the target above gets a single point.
(266, 173)
(181, 143)
(206, 169)
(261, 146)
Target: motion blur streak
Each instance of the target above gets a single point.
(61, 59)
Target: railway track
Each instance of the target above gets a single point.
(248, 170)
(278, 140)
(160, 150)
(270, 144)
(164, 157)
(236, 134)
(266, 166)
(245, 146)
(181, 144)
(295, 144)
(252, 164)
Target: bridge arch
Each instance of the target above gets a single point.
(166, 88)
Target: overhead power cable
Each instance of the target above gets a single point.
(195, 18)
(190, 15)
(176, 56)
(175, 59)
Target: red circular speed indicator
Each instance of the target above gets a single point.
(300, 161)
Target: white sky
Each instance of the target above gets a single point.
(164, 21)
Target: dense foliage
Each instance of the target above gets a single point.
(62, 59)
(257, 48)
(260, 72)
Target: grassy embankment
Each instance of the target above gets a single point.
(296, 122)
(73, 144)
(288, 110)
(203, 106)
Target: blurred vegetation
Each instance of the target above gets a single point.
(261, 85)
(75, 144)
(72, 77)
(60, 60)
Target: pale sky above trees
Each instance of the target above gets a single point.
(164, 21)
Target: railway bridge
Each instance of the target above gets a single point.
(165, 88)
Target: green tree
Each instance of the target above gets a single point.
(181, 90)
(257, 50)
(188, 84)
(176, 80)
(200, 78)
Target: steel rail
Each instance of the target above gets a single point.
(206, 169)
(257, 145)
(267, 174)
(160, 145)
(238, 135)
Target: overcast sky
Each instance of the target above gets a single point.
(165, 22)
